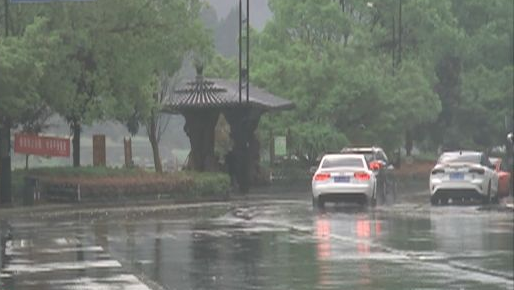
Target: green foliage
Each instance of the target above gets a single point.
(324, 59)
(23, 60)
(291, 172)
(105, 183)
(487, 97)
(338, 62)
(219, 67)
(206, 184)
(86, 171)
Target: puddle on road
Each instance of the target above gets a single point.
(263, 245)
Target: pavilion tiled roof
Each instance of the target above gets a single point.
(220, 93)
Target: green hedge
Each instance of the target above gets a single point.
(111, 183)
(206, 184)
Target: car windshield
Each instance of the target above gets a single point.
(368, 155)
(464, 158)
(342, 161)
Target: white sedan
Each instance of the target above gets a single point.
(343, 177)
(463, 175)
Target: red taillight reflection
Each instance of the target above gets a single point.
(321, 176)
(375, 165)
(323, 236)
(361, 176)
(363, 229)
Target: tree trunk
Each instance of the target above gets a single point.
(5, 162)
(76, 128)
(243, 123)
(152, 136)
(200, 128)
(27, 162)
(409, 143)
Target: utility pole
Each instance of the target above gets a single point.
(400, 32)
(5, 140)
(240, 44)
(393, 51)
(244, 51)
(242, 141)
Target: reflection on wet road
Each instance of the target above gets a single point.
(267, 244)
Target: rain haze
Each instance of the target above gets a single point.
(322, 145)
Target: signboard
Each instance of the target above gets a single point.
(42, 146)
(280, 146)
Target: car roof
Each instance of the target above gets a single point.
(495, 159)
(344, 155)
(449, 153)
(361, 149)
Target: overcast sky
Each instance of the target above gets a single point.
(259, 11)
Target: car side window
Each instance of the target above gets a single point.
(381, 156)
(484, 160)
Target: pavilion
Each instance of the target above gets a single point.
(202, 101)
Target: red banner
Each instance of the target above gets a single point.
(43, 146)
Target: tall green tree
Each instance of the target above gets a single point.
(332, 59)
(170, 32)
(23, 61)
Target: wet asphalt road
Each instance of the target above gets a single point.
(260, 243)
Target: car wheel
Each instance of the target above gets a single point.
(317, 203)
(487, 199)
(373, 199)
(383, 191)
(434, 201)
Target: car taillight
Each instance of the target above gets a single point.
(437, 171)
(477, 170)
(375, 165)
(321, 176)
(361, 176)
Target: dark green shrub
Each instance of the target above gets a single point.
(208, 184)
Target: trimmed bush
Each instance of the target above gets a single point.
(112, 184)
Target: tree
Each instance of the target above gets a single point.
(155, 61)
(343, 85)
(486, 102)
(22, 65)
(35, 121)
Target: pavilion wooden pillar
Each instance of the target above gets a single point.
(200, 127)
(243, 122)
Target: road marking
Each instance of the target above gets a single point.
(58, 258)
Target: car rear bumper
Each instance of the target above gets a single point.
(471, 187)
(344, 197)
(457, 194)
(335, 191)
